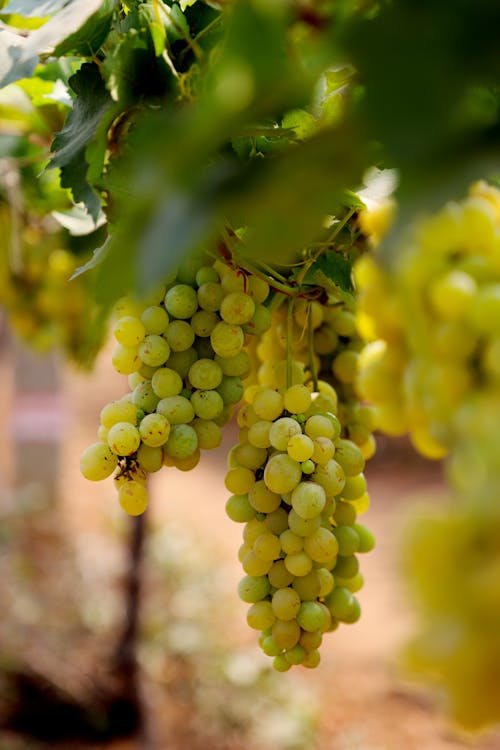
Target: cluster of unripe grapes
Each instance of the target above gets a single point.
(182, 350)
(297, 485)
(433, 322)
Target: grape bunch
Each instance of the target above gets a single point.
(323, 339)
(433, 322)
(182, 350)
(296, 486)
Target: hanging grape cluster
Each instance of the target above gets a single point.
(182, 350)
(296, 483)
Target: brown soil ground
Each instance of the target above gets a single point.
(364, 701)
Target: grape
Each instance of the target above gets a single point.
(154, 350)
(308, 586)
(133, 497)
(203, 322)
(281, 664)
(285, 603)
(207, 404)
(239, 509)
(237, 366)
(177, 409)
(150, 458)
(297, 399)
(181, 301)
(180, 337)
(118, 411)
(230, 389)
(182, 441)
(182, 361)
(123, 438)
(205, 374)
(126, 359)
(260, 615)
(282, 474)
(310, 617)
(210, 296)
(237, 308)
(282, 430)
(322, 546)
(97, 462)
(166, 382)
(268, 547)
(154, 430)
(286, 633)
(226, 339)
(262, 499)
(278, 575)
(253, 589)
(303, 526)
(268, 404)
(155, 319)
(258, 434)
(129, 331)
(144, 397)
(308, 499)
(291, 542)
(319, 426)
(298, 563)
(260, 321)
(349, 456)
(209, 433)
(239, 480)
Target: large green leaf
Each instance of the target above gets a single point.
(92, 104)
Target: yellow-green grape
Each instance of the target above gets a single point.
(181, 301)
(205, 374)
(166, 382)
(260, 615)
(227, 339)
(118, 411)
(126, 359)
(308, 499)
(207, 404)
(238, 509)
(98, 462)
(210, 296)
(155, 319)
(182, 441)
(180, 337)
(285, 603)
(300, 447)
(154, 350)
(282, 430)
(203, 323)
(133, 497)
(209, 433)
(129, 331)
(297, 399)
(282, 474)
(150, 458)
(154, 430)
(144, 397)
(237, 308)
(239, 480)
(177, 409)
(123, 438)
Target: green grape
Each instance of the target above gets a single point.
(97, 462)
(267, 546)
(308, 586)
(209, 433)
(260, 615)
(285, 603)
(310, 616)
(166, 382)
(154, 350)
(182, 441)
(239, 509)
(270, 647)
(253, 529)
(277, 521)
(349, 456)
(282, 430)
(204, 348)
(180, 337)
(181, 301)
(354, 487)
(308, 467)
(260, 322)
(182, 361)
(123, 438)
(262, 499)
(366, 538)
(347, 567)
(150, 458)
(281, 664)
(345, 514)
(239, 480)
(311, 640)
(205, 374)
(345, 366)
(230, 389)
(154, 430)
(303, 526)
(155, 319)
(207, 404)
(268, 404)
(291, 543)
(319, 425)
(133, 497)
(340, 602)
(206, 274)
(308, 499)
(210, 296)
(237, 308)
(297, 399)
(126, 359)
(252, 589)
(177, 410)
(279, 576)
(322, 546)
(118, 411)
(258, 434)
(129, 331)
(312, 659)
(285, 633)
(226, 339)
(144, 397)
(203, 322)
(250, 456)
(347, 538)
(298, 563)
(237, 366)
(282, 474)
(300, 447)
(323, 450)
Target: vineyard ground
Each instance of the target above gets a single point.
(364, 701)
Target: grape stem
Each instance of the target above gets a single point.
(310, 347)
(289, 323)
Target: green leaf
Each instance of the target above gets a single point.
(97, 258)
(87, 39)
(91, 106)
(330, 269)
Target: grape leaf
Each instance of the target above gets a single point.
(91, 105)
(330, 268)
